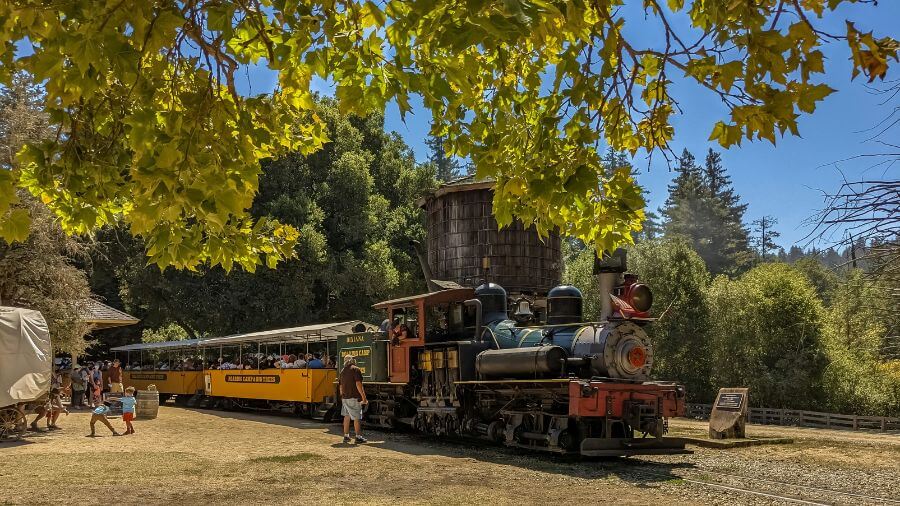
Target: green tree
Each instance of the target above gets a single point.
(728, 250)
(686, 210)
(678, 278)
(36, 271)
(857, 379)
(823, 279)
(703, 208)
(39, 274)
(579, 272)
(447, 167)
(354, 204)
(767, 335)
(155, 134)
(169, 332)
(766, 235)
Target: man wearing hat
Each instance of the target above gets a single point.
(353, 398)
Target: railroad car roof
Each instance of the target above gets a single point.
(430, 298)
(320, 331)
(157, 346)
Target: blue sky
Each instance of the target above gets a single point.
(784, 180)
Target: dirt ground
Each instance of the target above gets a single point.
(194, 457)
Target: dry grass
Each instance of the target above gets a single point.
(201, 457)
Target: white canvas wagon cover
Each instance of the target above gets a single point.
(25, 357)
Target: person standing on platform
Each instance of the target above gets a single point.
(115, 377)
(353, 398)
(77, 388)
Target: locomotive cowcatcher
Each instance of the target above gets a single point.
(466, 369)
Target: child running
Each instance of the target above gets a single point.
(99, 415)
(128, 402)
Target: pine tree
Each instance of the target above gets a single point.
(652, 227)
(685, 211)
(23, 117)
(765, 240)
(729, 250)
(703, 208)
(447, 168)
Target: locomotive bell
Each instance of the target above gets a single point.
(523, 312)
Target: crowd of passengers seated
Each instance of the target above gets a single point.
(187, 365)
(310, 361)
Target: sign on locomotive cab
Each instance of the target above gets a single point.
(370, 351)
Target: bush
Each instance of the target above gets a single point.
(856, 379)
(678, 277)
(767, 335)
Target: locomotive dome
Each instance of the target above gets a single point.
(564, 305)
(493, 298)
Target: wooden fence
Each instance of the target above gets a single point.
(815, 419)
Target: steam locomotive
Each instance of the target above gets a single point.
(560, 385)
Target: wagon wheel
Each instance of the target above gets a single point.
(11, 422)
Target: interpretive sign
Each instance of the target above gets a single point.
(729, 414)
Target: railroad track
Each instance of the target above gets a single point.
(773, 489)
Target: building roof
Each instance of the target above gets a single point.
(101, 316)
(464, 183)
(317, 332)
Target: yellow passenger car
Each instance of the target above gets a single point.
(173, 367)
(292, 369)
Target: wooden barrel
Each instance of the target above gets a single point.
(147, 406)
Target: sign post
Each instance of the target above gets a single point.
(729, 415)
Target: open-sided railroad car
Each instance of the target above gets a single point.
(259, 384)
(173, 366)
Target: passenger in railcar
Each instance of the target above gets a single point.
(316, 362)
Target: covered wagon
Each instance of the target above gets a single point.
(26, 365)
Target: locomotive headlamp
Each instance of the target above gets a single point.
(641, 297)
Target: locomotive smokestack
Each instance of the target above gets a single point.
(426, 269)
(609, 268)
(607, 281)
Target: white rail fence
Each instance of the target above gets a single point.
(815, 419)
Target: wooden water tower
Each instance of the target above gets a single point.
(465, 244)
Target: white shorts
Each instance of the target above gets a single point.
(351, 408)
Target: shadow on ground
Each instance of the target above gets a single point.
(641, 473)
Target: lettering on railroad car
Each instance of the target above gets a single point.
(252, 378)
(361, 338)
(148, 376)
